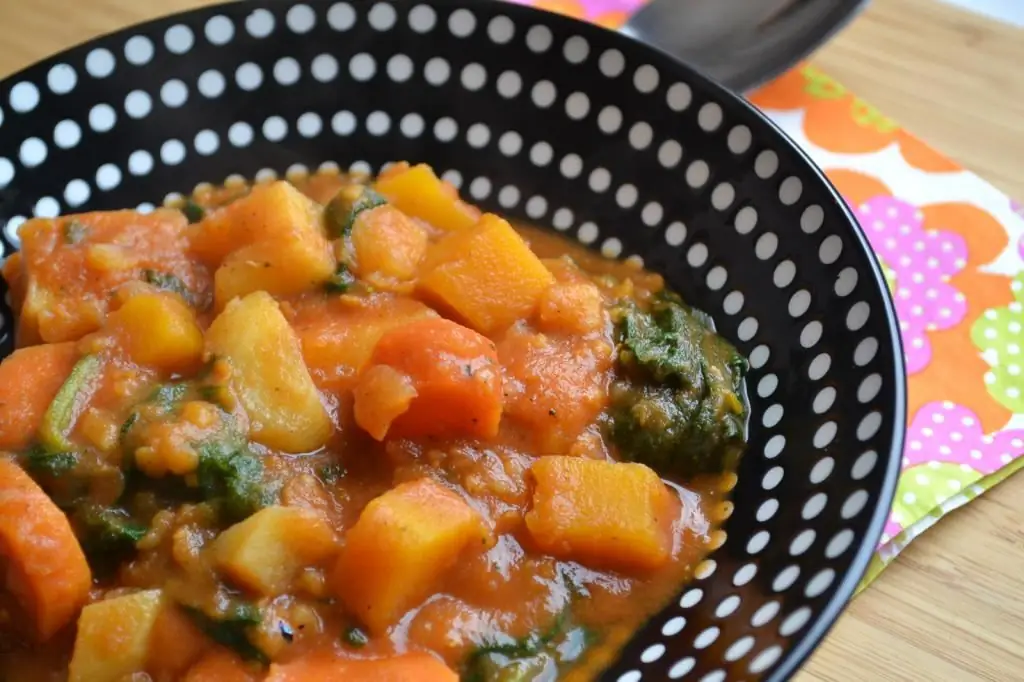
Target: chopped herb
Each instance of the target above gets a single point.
(167, 396)
(355, 638)
(340, 281)
(683, 413)
(132, 419)
(193, 211)
(231, 477)
(60, 416)
(75, 232)
(342, 210)
(232, 629)
(331, 473)
(167, 282)
(107, 531)
(55, 464)
(287, 634)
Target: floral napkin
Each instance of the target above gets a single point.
(952, 248)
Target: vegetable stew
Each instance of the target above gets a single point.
(338, 428)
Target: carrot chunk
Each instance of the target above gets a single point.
(405, 668)
(29, 381)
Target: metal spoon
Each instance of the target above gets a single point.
(740, 43)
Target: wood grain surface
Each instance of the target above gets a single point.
(952, 606)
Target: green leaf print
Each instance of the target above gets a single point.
(870, 117)
(821, 86)
(924, 487)
(998, 335)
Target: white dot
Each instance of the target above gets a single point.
(543, 93)
(378, 123)
(609, 119)
(758, 542)
(811, 334)
(706, 638)
(173, 93)
(819, 366)
(562, 219)
(275, 129)
(240, 134)
(716, 278)
(500, 30)
(66, 134)
(765, 659)
(6, 172)
(652, 653)
(324, 68)
(795, 621)
(99, 63)
(400, 68)
(766, 163)
(691, 598)
(362, 67)
(611, 248)
(541, 154)
(799, 303)
(822, 470)
(46, 207)
(670, 153)
(172, 152)
(219, 30)
(461, 23)
(474, 76)
(846, 282)
(837, 545)
(536, 207)
(709, 118)
(412, 125)
(652, 214)
(681, 668)
(626, 196)
(697, 174)
(747, 329)
(631, 676)
(587, 233)
(764, 614)
(422, 18)
(865, 351)
(758, 357)
(302, 19)
(260, 23)
(269, 174)
(600, 180)
(61, 79)
(722, 196)
(206, 142)
(24, 97)
(675, 234)
(858, 316)
(538, 38)
(645, 78)
(140, 162)
(309, 124)
(790, 190)
(577, 106)
(108, 176)
(76, 193)
(249, 76)
(436, 71)
(740, 648)
(641, 135)
(571, 165)
(744, 575)
(855, 503)
(287, 71)
(811, 221)
(33, 152)
(445, 129)
(673, 626)
(211, 84)
(179, 39)
(138, 50)
(480, 188)
(510, 143)
(509, 84)
(697, 255)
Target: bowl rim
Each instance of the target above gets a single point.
(824, 620)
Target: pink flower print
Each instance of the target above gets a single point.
(947, 432)
(922, 261)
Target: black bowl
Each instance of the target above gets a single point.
(563, 124)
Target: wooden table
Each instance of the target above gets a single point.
(954, 79)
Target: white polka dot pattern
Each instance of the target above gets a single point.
(567, 126)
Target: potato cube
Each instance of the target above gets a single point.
(609, 514)
(265, 552)
(273, 211)
(401, 546)
(387, 244)
(486, 274)
(159, 330)
(268, 371)
(419, 193)
(113, 637)
(280, 267)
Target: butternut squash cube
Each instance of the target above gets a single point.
(419, 193)
(486, 274)
(381, 396)
(401, 546)
(269, 212)
(159, 330)
(265, 552)
(268, 371)
(388, 244)
(279, 267)
(609, 514)
(113, 637)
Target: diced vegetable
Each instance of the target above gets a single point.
(608, 514)
(231, 628)
(575, 308)
(382, 395)
(47, 572)
(280, 267)
(273, 212)
(454, 372)
(336, 347)
(405, 668)
(402, 544)
(175, 645)
(60, 417)
(416, 191)
(694, 422)
(168, 282)
(387, 244)
(486, 274)
(266, 551)
(109, 531)
(113, 637)
(159, 331)
(268, 370)
(222, 666)
(29, 380)
(349, 203)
